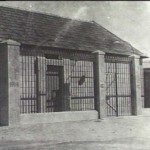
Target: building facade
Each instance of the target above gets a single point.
(57, 69)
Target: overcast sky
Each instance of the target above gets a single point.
(130, 20)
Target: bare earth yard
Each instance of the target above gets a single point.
(118, 133)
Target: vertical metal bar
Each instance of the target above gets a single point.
(93, 85)
(85, 101)
(27, 63)
(94, 81)
(130, 84)
(121, 76)
(116, 89)
(29, 100)
(109, 78)
(22, 78)
(37, 84)
(108, 89)
(53, 108)
(126, 88)
(72, 83)
(113, 102)
(108, 82)
(76, 93)
(79, 74)
(88, 88)
(31, 82)
(35, 81)
(47, 93)
(106, 85)
(123, 91)
(25, 83)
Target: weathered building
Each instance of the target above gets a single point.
(57, 69)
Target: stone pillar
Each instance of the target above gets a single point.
(100, 84)
(136, 86)
(10, 79)
(14, 80)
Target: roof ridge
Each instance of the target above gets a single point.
(44, 13)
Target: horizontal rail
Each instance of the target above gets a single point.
(119, 96)
(85, 97)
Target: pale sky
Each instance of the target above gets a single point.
(129, 20)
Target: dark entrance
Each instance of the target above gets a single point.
(118, 86)
(54, 83)
(147, 88)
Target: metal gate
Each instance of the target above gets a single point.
(118, 85)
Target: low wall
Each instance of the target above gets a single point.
(58, 117)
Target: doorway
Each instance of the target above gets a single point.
(54, 83)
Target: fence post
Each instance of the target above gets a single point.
(10, 83)
(136, 86)
(100, 84)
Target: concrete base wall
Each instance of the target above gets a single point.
(146, 112)
(58, 117)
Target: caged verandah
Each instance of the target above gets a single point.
(56, 80)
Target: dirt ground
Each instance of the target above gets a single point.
(119, 133)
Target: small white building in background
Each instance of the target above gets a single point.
(146, 83)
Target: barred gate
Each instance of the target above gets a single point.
(118, 85)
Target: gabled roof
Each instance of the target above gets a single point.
(53, 31)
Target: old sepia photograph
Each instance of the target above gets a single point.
(74, 75)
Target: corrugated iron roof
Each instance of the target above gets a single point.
(53, 31)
